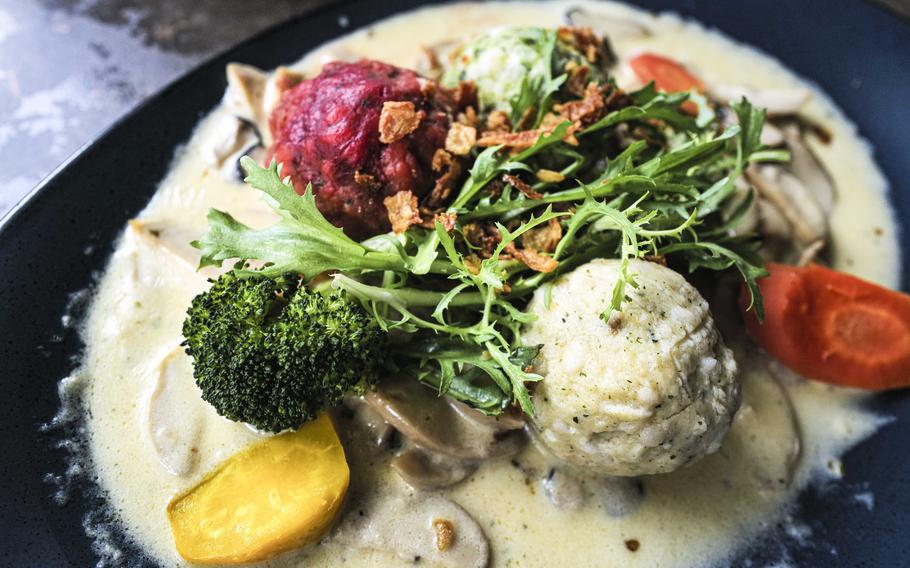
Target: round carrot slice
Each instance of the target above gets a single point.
(834, 327)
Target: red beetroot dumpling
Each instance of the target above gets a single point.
(326, 132)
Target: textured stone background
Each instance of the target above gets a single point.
(70, 68)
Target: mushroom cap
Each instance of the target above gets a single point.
(646, 392)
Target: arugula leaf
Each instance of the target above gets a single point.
(303, 241)
(649, 105)
(715, 256)
(644, 179)
(536, 93)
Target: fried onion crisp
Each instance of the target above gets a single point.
(517, 140)
(403, 210)
(460, 139)
(465, 95)
(468, 117)
(498, 121)
(449, 169)
(445, 534)
(447, 220)
(578, 78)
(585, 41)
(398, 119)
(543, 239)
(521, 186)
(587, 110)
(483, 236)
(532, 259)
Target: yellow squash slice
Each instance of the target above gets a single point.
(277, 495)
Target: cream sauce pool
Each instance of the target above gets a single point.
(151, 435)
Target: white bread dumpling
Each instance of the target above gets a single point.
(649, 390)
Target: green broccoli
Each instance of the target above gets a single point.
(272, 353)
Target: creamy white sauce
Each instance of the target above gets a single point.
(146, 423)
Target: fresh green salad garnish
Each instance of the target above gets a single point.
(569, 168)
(646, 180)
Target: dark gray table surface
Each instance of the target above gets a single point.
(70, 68)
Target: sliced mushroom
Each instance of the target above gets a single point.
(245, 92)
(161, 234)
(252, 95)
(232, 140)
(430, 422)
(510, 419)
(174, 424)
(809, 169)
(773, 223)
(771, 135)
(564, 490)
(810, 253)
(164, 243)
(428, 471)
(766, 405)
(371, 421)
(776, 101)
(428, 527)
(619, 496)
(570, 490)
(751, 219)
(171, 238)
(793, 199)
(608, 25)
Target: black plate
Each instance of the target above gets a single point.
(55, 242)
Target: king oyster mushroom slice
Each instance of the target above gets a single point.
(773, 224)
(563, 490)
(428, 471)
(233, 140)
(165, 242)
(750, 220)
(796, 202)
(619, 496)
(430, 422)
(429, 527)
(771, 135)
(570, 490)
(810, 253)
(808, 168)
(371, 421)
(173, 418)
(510, 419)
(252, 95)
(607, 25)
(766, 404)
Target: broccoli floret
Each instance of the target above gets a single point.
(272, 353)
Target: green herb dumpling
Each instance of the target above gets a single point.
(647, 391)
(503, 61)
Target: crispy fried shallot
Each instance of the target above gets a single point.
(398, 119)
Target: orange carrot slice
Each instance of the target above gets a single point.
(834, 327)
